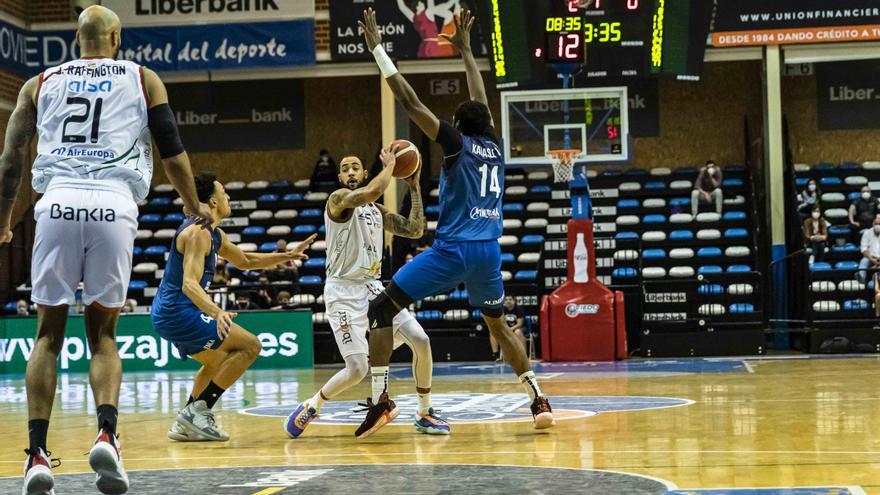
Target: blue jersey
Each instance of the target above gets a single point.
(470, 192)
(170, 297)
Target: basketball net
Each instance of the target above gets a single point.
(563, 164)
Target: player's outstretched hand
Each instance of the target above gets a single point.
(461, 39)
(388, 156)
(371, 30)
(224, 323)
(298, 253)
(5, 235)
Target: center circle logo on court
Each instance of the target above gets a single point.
(467, 408)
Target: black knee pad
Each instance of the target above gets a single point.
(381, 312)
(493, 312)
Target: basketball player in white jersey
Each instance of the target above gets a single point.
(94, 118)
(356, 228)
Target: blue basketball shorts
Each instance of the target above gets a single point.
(446, 264)
(188, 329)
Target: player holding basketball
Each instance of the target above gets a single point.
(466, 248)
(94, 117)
(355, 225)
(184, 314)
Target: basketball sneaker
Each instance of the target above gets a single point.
(106, 460)
(180, 433)
(199, 421)
(431, 423)
(542, 413)
(378, 415)
(38, 479)
(296, 423)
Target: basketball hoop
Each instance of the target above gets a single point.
(563, 164)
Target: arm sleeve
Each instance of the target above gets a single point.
(450, 139)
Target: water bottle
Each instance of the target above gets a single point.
(580, 260)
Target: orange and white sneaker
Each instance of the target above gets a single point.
(38, 479)
(430, 423)
(378, 415)
(106, 460)
(542, 413)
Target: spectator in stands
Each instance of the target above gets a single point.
(870, 247)
(265, 294)
(707, 188)
(863, 211)
(816, 234)
(243, 302)
(221, 274)
(283, 301)
(516, 320)
(324, 176)
(21, 308)
(808, 198)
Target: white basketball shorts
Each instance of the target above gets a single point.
(347, 304)
(85, 233)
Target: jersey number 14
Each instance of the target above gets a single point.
(494, 186)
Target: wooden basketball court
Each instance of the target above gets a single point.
(660, 426)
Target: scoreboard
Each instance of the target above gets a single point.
(536, 42)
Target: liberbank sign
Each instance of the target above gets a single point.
(286, 337)
(186, 12)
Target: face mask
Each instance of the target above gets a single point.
(812, 187)
(816, 215)
(866, 195)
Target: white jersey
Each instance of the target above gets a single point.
(354, 247)
(93, 125)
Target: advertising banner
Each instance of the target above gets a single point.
(170, 49)
(240, 115)
(848, 95)
(187, 12)
(759, 22)
(286, 337)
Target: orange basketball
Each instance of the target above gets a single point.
(408, 159)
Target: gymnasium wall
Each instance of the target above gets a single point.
(808, 143)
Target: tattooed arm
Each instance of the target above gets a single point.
(414, 226)
(20, 131)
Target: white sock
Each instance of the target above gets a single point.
(380, 381)
(530, 383)
(317, 401)
(424, 403)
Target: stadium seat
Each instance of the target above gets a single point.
(629, 186)
(708, 252)
(801, 181)
(833, 214)
(435, 193)
(511, 208)
(740, 289)
(302, 183)
(592, 173)
(293, 197)
(456, 315)
(260, 215)
(736, 233)
(710, 289)
(432, 225)
(512, 223)
(838, 230)
(826, 306)
(267, 198)
(820, 266)
(429, 315)
(711, 309)
(322, 229)
(175, 217)
(267, 247)
(145, 268)
(681, 235)
(508, 240)
(679, 202)
(681, 253)
(459, 295)
(311, 212)
(846, 248)
(532, 239)
(316, 196)
(829, 181)
(526, 275)
(655, 185)
(824, 166)
(627, 220)
(737, 251)
(735, 200)
(681, 272)
(654, 236)
(233, 237)
(626, 235)
(164, 188)
(653, 254)
(686, 170)
(656, 218)
(708, 217)
(536, 206)
(507, 258)
(506, 276)
(11, 308)
(538, 175)
(137, 285)
(234, 185)
(661, 171)
(150, 218)
(258, 184)
(731, 216)
(636, 172)
(317, 246)
(164, 233)
(653, 272)
(516, 190)
(626, 255)
(742, 308)
(611, 172)
(709, 270)
(625, 272)
(319, 318)
(735, 168)
(846, 265)
(432, 210)
(281, 184)
(801, 167)
(681, 218)
(248, 247)
(254, 230)
(528, 258)
(143, 234)
(160, 201)
(832, 197)
(278, 230)
(540, 190)
(536, 223)
(156, 250)
(310, 280)
(739, 269)
(856, 180)
(177, 202)
(708, 234)
(855, 305)
(681, 184)
(732, 183)
(654, 203)
(627, 203)
(822, 286)
(872, 165)
(314, 263)
(850, 286)
(305, 229)
(137, 251)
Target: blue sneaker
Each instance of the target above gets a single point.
(296, 423)
(431, 424)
